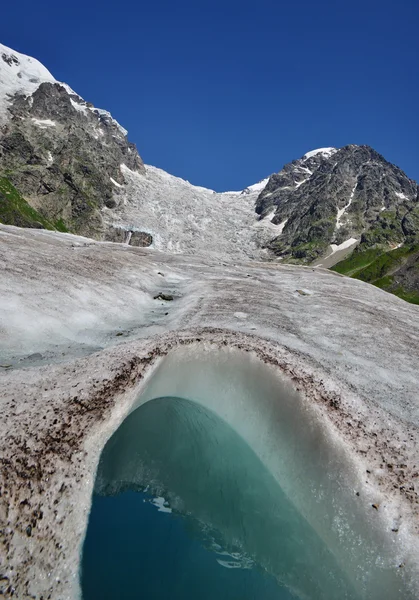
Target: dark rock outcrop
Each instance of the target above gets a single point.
(64, 157)
(141, 239)
(132, 237)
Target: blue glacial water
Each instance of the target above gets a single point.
(184, 509)
(133, 551)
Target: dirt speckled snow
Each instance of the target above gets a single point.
(82, 326)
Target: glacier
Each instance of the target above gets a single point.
(86, 338)
(309, 377)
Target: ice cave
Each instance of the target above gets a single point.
(224, 482)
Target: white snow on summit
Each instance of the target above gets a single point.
(21, 74)
(327, 152)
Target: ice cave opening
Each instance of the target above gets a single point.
(224, 482)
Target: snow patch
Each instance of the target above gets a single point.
(342, 211)
(69, 90)
(100, 112)
(115, 182)
(79, 107)
(270, 215)
(256, 187)
(297, 185)
(280, 227)
(401, 195)
(327, 152)
(44, 123)
(343, 245)
(161, 504)
(306, 170)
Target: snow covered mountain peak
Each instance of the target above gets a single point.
(19, 74)
(22, 75)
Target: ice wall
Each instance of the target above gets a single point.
(310, 466)
(184, 453)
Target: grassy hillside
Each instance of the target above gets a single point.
(14, 210)
(396, 271)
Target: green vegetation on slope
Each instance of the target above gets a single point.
(382, 269)
(60, 226)
(356, 261)
(386, 229)
(14, 210)
(388, 284)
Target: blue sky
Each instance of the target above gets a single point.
(223, 93)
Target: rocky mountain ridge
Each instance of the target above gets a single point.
(61, 154)
(351, 208)
(67, 165)
(332, 196)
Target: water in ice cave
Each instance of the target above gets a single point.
(228, 488)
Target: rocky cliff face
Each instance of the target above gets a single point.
(348, 209)
(332, 196)
(66, 165)
(58, 151)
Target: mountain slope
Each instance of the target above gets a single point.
(73, 164)
(57, 150)
(16, 211)
(396, 271)
(69, 166)
(332, 196)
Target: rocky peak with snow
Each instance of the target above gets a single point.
(331, 196)
(19, 75)
(61, 155)
(66, 165)
(69, 166)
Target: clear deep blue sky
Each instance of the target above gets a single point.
(223, 93)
